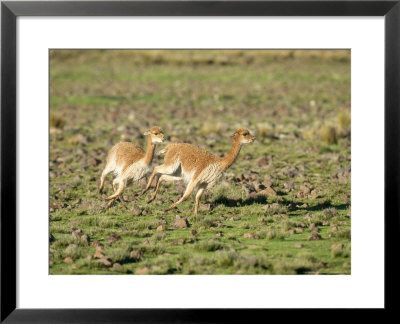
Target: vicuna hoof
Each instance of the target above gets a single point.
(109, 205)
(150, 199)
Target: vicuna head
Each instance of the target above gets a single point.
(243, 136)
(156, 134)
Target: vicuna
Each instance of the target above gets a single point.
(198, 168)
(129, 163)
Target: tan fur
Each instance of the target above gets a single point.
(195, 166)
(124, 154)
(129, 163)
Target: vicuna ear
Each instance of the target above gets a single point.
(233, 135)
(146, 133)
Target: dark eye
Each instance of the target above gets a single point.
(155, 133)
(245, 134)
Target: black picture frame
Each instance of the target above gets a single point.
(11, 10)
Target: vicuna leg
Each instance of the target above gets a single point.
(163, 169)
(164, 177)
(185, 196)
(198, 196)
(150, 180)
(106, 171)
(110, 203)
(115, 184)
(121, 186)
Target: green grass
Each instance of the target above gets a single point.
(293, 101)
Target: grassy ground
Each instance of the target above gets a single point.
(282, 208)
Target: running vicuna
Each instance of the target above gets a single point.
(129, 163)
(198, 168)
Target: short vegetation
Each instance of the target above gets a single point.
(282, 208)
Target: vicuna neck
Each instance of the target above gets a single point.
(228, 159)
(148, 157)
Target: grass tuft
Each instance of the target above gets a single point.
(328, 134)
(56, 121)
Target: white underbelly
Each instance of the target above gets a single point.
(210, 175)
(136, 171)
